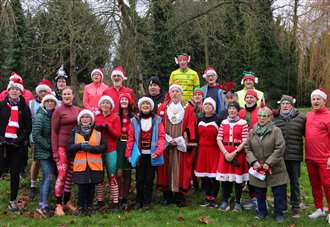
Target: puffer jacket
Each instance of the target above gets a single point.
(293, 130)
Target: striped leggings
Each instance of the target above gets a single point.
(64, 177)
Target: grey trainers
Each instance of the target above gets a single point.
(237, 207)
(12, 206)
(224, 206)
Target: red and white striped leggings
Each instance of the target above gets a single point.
(64, 177)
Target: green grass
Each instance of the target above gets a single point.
(158, 216)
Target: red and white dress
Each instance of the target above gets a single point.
(232, 135)
(208, 150)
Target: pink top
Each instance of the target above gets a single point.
(92, 94)
(63, 121)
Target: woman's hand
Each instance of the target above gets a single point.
(265, 166)
(328, 163)
(154, 155)
(256, 165)
(230, 156)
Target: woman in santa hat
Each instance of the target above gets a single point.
(208, 152)
(232, 165)
(109, 123)
(93, 91)
(15, 128)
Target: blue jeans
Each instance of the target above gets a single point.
(279, 193)
(47, 167)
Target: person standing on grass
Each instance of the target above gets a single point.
(41, 135)
(85, 148)
(118, 75)
(63, 121)
(232, 168)
(249, 80)
(94, 91)
(208, 152)
(184, 76)
(148, 134)
(108, 123)
(173, 178)
(43, 88)
(317, 152)
(15, 128)
(292, 124)
(123, 166)
(265, 149)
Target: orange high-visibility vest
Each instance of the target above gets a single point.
(82, 157)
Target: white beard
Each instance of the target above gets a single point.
(175, 113)
(146, 124)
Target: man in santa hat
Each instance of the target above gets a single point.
(184, 76)
(43, 88)
(179, 119)
(211, 89)
(317, 152)
(93, 91)
(249, 80)
(118, 75)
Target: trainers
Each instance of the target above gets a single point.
(70, 207)
(212, 204)
(279, 218)
(317, 214)
(44, 212)
(224, 206)
(59, 210)
(295, 213)
(204, 203)
(32, 193)
(260, 217)
(12, 206)
(248, 205)
(237, 207)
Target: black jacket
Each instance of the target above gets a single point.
(24, 121)
(293, 130)
(87, 176)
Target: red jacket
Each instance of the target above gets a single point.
(112, 132)
(317, 135)
(114, 94)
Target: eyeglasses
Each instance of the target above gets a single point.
(263, 115)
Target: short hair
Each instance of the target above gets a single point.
(67, 88)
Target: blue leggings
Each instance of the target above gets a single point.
(110, 162)
(47, 168)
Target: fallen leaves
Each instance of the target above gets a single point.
(206, 220)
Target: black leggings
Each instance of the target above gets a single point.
(145, 174)
(211, 186)
(227, 188)
(85, 195)
(13, 158)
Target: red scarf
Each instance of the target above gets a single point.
(11, 129)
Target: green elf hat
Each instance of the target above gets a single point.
(198, 90)
(249, 75)
(178, 54)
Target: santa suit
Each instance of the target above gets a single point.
(317, 148)
(115, 93)
(175, 174)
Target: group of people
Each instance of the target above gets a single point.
(186, 136)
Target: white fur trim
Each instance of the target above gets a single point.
(118, 72)
(108, 98)
(10, 135)
(43, 87)
(320, 93)
(146, 124)
(231, 177)
(175, 86)
(13, 84)
(146, 99)
(97, 71)
(48, 97)
(83, 112)
(210, 101)
(13, 124)
(15, 76)
(212, 123)
(203, 174)
(208, 72)
(256, 174)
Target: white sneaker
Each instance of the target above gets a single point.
(328, 219)
(317, 214)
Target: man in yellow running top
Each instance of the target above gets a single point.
(184, 76)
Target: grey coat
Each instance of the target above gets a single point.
(268, 149)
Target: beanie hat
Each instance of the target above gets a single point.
(15, 82)
(146, 99)
(211, 101)
(119, 70)
(287, 98)
(44, 85)
(209, 71)
(321, 92)
(235, 105)
(98, 71)
(179, 54)
(251, 92)
(126, 95)
(198, 90)
(61, 74)
(107, 98)
(175, 86)
(249, 75)
(48, 97)
(85, 112)
(14, 75)
(154, 80)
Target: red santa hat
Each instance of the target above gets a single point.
(211, 101)
(15, 82)
(48, 97)
(107, 98)
(320, 92)
(119, 70)
(146, 99)
(209, 71)
(85, 112)
(252, 93)
(44, 85)
(126, 95)
(15, 76)
(249, 75)
(98, 71)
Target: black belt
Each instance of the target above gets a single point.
(230, 144)
(124, 138)
(145, 144)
